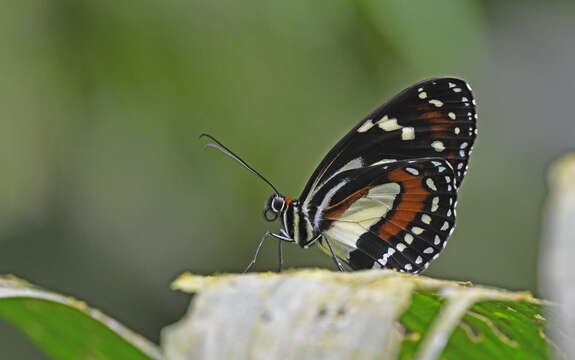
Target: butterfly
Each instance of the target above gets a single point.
(385, 195)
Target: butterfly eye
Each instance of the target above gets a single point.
(278, 204)
(273, 207)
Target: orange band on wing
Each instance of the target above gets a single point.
(405, 211)
(431, 115)
(439, 123)
(334, 211)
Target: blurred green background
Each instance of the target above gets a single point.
(106, 195)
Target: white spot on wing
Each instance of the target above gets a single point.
(438, 146)
(445, 226)
(451, 115)
(431, 184)
(428, 250)
(416, 230)
(400, 247)
(436, 240)
(388, 124)
(385, 256)
(419, 260)
(435, 204)
(365, 127)
(407, 133)
(426, 219)
(412, 171)
(437, 103)
(407, 267)
(408, 238)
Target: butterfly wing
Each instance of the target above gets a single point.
(398, 215)
(433, 118)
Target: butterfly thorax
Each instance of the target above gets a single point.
(297, 224)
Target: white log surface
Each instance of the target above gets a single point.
(313, 314)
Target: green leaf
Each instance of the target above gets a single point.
(369, 314)
(66, 328)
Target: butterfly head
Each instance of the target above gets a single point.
(275, 205)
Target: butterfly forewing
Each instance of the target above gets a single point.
(434, 118)
(397, 215)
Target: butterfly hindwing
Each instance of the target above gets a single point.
(433, 118)
(397, 215)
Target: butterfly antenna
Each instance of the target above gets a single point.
(221, 147)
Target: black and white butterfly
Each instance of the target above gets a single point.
(385, 195)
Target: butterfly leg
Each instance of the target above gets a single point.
(280, 249)
(266, 235)
(280, 255)
(339, 265)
